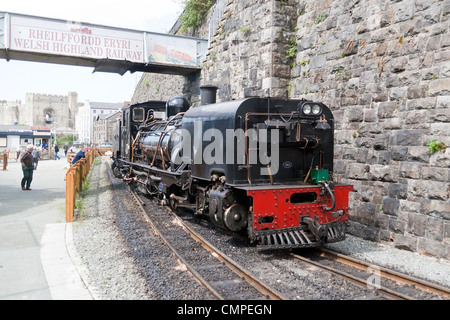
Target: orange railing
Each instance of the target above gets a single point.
(75, 177)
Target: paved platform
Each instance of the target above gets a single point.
(37, 261)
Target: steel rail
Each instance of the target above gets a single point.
(388, 274)
(175, 252)
(272, 293)
(386, 292)
(266, 290)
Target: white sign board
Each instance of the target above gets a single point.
(75, 39)
(2, 30)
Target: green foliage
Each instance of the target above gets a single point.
(66, 138)
(304, 62)
(245, 29)
(321, 17)
(194, 12)
(434, 146)
(342, 74)
(292, 51)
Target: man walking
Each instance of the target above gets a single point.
(56, 152)
(66, 148)
(36, 157)
(27, 167)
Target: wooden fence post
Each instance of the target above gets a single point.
(75, 176)
(70, 195)
(5, 161)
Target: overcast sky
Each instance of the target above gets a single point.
(20, 77)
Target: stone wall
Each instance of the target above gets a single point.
(383, 67)
(247, 56)
(9, 111)
(162, 87)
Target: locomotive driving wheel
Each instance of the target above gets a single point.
(235, 217)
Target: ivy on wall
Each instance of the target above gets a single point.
(194, 12)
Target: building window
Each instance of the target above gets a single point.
(49, 116)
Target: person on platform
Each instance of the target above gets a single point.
(66, 148)
(81, 154)
(36, 157)
(56, 152)
(27, 167)
(18, 150)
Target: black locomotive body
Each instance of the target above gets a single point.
(258, 165)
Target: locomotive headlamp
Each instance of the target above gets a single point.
(316, 109)
(307, 109)
(310, 109)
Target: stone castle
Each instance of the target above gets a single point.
(41, 110)
(63, 113)
(383, 67)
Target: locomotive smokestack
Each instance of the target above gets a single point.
(208, 95)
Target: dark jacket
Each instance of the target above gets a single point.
(78, 156)
(27, 159)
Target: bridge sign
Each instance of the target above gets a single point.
(108, 49)
(74, 39)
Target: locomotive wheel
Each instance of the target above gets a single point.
(173, 203)
(235, 217)
(116, 172)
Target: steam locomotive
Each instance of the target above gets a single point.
(258, 165)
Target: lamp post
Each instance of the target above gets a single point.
(73, 130)
(54, 126)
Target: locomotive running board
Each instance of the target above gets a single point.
(297, 237)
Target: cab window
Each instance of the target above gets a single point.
(138, 114)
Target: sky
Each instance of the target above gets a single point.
(20, 77)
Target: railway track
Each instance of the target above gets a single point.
(219, 274)
(386, 283)
(226, 279)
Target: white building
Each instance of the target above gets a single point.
(87, 114)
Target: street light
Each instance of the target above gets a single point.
(54, 126)
(73, 130)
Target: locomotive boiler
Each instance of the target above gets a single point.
(258, 165)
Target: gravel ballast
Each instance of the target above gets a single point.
(126, 260)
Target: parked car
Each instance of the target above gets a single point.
(105, 145)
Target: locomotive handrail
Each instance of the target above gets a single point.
(160, 137)
(327, 187)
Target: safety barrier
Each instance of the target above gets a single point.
(75, 177)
